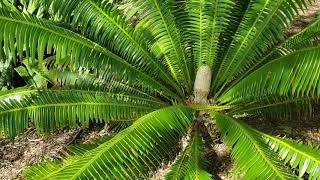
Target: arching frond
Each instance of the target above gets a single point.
(305, 158)
(225, 40)
(50, 109)
(33, 36)
(261, 29)
(295, 75)
(190, 163)
(130, 154)
(286, 108)
(83, 80)
(159, 20)
(181, 18)
(71, 155)
(102, 68)
(253, 158)
(102, 22)
(306, 38)
(208, 19)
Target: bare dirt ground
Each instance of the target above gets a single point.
(30, 148)
(304, 18)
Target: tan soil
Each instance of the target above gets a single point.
(29, 148)
(304, 18)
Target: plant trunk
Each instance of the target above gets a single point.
(202, 84)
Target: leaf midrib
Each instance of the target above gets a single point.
(257, 34)
(213, 44)
(101, 49)
(81, 91)
(246, 133)
(282, 45)
(196, 153)
(180, 165)
(123, 134)
(73, 104)
(95, 46)
(200, 32)
(276, 104)
(278, 140)
(305, 50)
(136, 43)
(252, 42)
(173, 44)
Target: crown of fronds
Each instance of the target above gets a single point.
(138, 65)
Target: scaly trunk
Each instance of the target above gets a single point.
(202, 84)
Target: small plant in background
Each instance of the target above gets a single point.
(178, 62)
(5, 71)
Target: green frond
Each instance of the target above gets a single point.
(253, 158)
(210, 107)
(306, 38)
(33, 36)
(102, 22)
(228, 34)
(305, 158)
(158, 19)
(35, 7)
(7, 4)
(294, 75)
(51, 109)
(5, 71)
(207, 20)
(70, 155)
(81, 149)
(190, 163)
(180, 16)
(34, 75)
(83, 80)
(26, 76)
(102, 68)
(289, 108)
(131, 153)
(261, 29)
(128, 9)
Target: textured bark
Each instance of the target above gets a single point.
(202, 84)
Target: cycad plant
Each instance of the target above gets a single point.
(181, 60)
